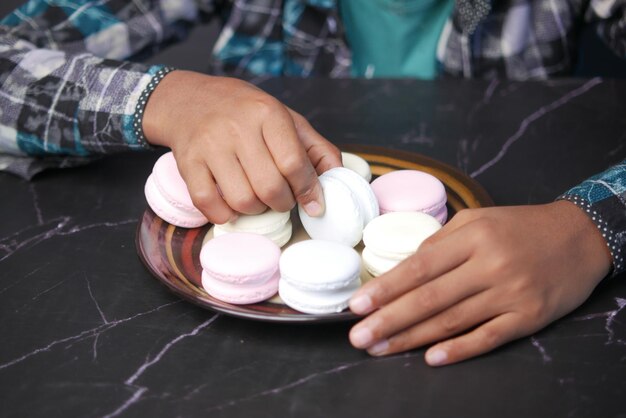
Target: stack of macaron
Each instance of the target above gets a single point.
(274, 225)
(319, 277)
(394, 236)
(411, 191)
(168, 196)
(350, 205)
(413, 207)
(243, 262)
(240, 267)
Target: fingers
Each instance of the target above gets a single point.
(293, 162)
(492, 334)
(416, 306)
(460, 317)
(427, 263)
(266, 181)
(224, 122)
(321, 152)
(204, 193)
(234, 184)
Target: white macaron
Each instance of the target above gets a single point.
(357, 164)
(350, 205)
(394, 236)
(271, 224)
(318, 277)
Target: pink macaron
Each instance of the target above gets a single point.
(168, 196)
(411, 191)
(240, 268)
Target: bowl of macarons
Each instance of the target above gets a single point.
(291, 267)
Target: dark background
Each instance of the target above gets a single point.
(595, 58)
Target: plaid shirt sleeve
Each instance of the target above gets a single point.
(610, 16)
(525, 39)
(603, 198)
(68, 91)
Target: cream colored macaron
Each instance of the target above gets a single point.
(357, 164)
(394, 236)
(271, 224)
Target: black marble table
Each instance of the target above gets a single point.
(86, 331)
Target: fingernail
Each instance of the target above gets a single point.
(313, 209)
(379, 348)
(234, 217)
(361, 304)
(362, 337)
(436, 357)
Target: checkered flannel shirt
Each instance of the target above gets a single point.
(72, 89)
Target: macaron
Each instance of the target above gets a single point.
(274, 225)
(357, 164)
(168, 196)
(394, 236)
(240, 268)
(319, 277)
(411, 190)
(350, 204)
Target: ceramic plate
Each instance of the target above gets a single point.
(172, 254)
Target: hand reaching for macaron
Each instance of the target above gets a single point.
(238, 149)
(487, 277)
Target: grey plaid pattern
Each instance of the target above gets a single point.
(525, 39)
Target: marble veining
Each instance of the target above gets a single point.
(306, 379)
(87, 331)
(128, 403)
(610, 321)
(95, 302)
(465, 150)
(167, 347)
(141, 390)
(542, 350)
(486, 99)
(83, 334)
(26, 276)
(491, 88)
(415, 137)
(38, 212)
(31, 236)
(541, 112)
(369, 96)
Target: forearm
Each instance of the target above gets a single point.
(68, 104)
(66, 91)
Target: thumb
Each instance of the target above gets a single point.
(311, 198)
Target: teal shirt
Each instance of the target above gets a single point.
(394, 38)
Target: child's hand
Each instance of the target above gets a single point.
(487, 277)
(238, 148)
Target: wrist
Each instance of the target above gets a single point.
(135, 130)
(585, 236)
(158, 107)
